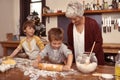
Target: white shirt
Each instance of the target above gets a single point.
(78, 42)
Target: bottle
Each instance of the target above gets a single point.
(117, 66)
(84, 5)
(94, 5)
(114, 4)
(98, 5)
(105, 5)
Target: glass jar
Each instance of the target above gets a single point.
(106, 5)
(86, 63)
(117, 66)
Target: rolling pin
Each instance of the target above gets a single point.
(50, 67)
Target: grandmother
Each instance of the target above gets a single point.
(83, 32)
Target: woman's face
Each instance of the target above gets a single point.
(55, 44)
(29, 31)
(76, 20)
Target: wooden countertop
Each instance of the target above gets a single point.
(17, 74)
(111, 47)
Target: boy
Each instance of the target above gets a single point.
(31, 43)
(56, 51)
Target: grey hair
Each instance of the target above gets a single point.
(74, 8)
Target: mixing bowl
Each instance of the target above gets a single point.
(86, 63)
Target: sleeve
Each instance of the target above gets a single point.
(92, 33)
(98, 46)
(39, 43)
(98, 37)
(43, 53)
(70, 37)
(66, 51)
(21, 42)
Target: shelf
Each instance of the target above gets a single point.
(54, 14)
(102, 11)
(86, 12)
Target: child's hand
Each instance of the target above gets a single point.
(35, 63)
(66, 68)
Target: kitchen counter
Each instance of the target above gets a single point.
(17, 74)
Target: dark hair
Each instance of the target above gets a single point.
(28, 23)
(55, 34)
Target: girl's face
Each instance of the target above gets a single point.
(29, 31)
(55, 44)
(76, 20)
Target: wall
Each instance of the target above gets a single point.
(112, 37)
(55, 5)
(9, 18)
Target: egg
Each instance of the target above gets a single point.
(3, 69)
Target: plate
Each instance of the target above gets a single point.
(107, 76)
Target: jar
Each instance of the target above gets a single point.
(86, 63)
(117, 66)
(106, 5)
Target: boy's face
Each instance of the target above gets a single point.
(29, 31)
(55, 44)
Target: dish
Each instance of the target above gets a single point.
(86, 64)
(107, 76)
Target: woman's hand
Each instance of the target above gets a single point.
(66, 68)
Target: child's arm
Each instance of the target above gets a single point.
(36, 62)
(69, 60)
(68, 63)
(15, 51)
(39, 57)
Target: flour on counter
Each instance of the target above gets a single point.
(26, 66)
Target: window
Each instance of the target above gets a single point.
(28, 6)
(36, 5)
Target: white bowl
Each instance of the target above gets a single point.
(86, 67)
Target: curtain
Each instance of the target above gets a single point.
(24, 12)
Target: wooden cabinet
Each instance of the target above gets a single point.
(86, 12)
